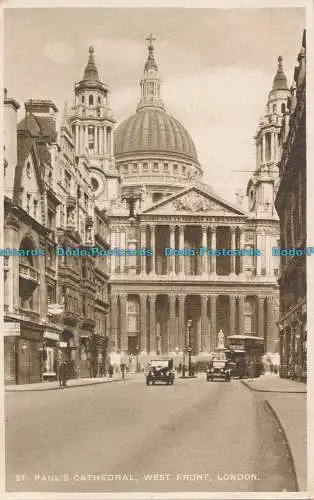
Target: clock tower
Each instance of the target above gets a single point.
(261, 186)
(92, 123)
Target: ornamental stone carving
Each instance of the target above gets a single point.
(194, 202)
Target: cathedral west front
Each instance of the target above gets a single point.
(137, 187)
(147, 176)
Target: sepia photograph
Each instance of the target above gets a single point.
(155, 252)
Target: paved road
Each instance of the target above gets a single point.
(192, 436)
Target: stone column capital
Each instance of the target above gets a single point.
(181, 229)
(172, 228)
(143, 298)
(232, 229)
(204, 299)
(181, 297)
(261, 300)
(213, 298)
(172, 298)
(213, 228)
(204, 227)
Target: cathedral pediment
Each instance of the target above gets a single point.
(194, 201)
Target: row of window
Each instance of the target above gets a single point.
(156, 167)
(91, 99)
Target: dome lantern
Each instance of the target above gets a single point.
(150, 83)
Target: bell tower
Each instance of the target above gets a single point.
(92, 122)
(260, 189)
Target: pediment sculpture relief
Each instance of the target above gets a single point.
(194, 202)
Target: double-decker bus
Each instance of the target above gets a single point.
(245, 350)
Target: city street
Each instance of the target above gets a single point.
(119, 437)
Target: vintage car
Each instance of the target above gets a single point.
(218, 369)
(160, 371)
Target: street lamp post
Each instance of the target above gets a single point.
(189, 348)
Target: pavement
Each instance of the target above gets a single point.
(77, 382)
(287, 400)
(193, 436)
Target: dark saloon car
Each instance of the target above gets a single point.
(218, 369)
(159, 371)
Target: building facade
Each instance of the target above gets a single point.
(291, 207)
(164, 204)
(58, 303)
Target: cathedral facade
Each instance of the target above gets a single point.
(162, 213)
(137, 190)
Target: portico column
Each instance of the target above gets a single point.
(81, 139)
(241, 301)
(86, 135)
(271, 328)
(259, 247)
(264, 148)
(143, 245)
(261, 301)
(204, 245)
(143, 311)
(233, 245)
(96, 139)
(123, 327)
(152, 244)
(114, 321)
(213, 247)
(172, 323)
(204, 325)
(152, 323)
(242, 245)
(181, 332)
(181, 247)
(213, 327)
(232, 314)
(172, 245)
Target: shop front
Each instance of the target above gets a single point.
(67, 352)
(50, 355)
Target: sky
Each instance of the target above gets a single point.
(216, 65)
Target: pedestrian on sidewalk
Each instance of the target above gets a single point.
(122, 366)
(110, 370)
(63, 374)
(251, 372)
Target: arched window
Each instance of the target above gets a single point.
(275, 108)
(283, 108)
(91, 100)
(83, 98)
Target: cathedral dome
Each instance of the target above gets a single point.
(153, 130)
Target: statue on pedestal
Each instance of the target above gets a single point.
(221, 340)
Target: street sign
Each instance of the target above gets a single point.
(12, 329)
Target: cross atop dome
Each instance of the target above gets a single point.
(150, 39)
(151, 63)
